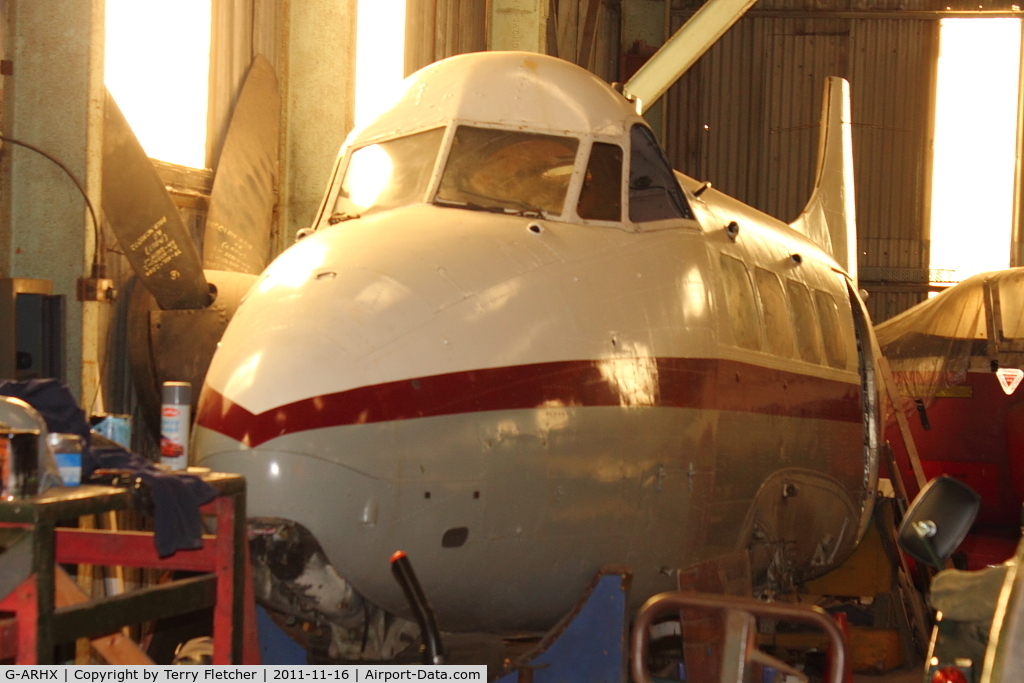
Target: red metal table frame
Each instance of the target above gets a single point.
(39, 626)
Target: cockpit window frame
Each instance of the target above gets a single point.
(672, 222)
(343, 160)
(587, 143)
(569, 209)
(568, 212)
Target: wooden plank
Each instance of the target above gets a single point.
(115, 574)
(151, 604)
(84, 576)
(118, 580)
(896, 477)
(114, 648)
(911, 617)
(901, 419)
(85, 571)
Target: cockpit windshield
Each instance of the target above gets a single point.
(507, 171)
(387, 175)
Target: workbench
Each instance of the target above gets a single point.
(38, 625)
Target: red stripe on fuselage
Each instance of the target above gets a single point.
(664, 382)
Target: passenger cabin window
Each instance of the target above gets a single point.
(387, 175)
(831, 329)
(601, 195)
(740, 308)
(805, 323)
(654, 193)
(778, 324)
(507, 171)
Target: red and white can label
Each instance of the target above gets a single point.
(174, 433)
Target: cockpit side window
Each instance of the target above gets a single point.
(387, 175)
(601, 195)
(654, 193)
(507, 171)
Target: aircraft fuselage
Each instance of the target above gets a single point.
(517, 397)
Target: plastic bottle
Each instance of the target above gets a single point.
(67, 451)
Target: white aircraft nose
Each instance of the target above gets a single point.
(410, 293)
(314, 316)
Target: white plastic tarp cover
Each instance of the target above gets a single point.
(929, 346)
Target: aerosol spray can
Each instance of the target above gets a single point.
(175, 418)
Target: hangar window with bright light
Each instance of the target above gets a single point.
(380, 56)
(974, 146)
(157, 66)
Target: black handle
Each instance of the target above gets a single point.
(402, 570)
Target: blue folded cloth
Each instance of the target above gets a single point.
(177, 522)
(53, 401)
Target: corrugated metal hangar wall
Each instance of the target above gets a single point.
(746, 119)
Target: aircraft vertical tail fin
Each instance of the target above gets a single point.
(830, 217)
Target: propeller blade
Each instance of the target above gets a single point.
(177, 345)
(239, 222)
(145, 220)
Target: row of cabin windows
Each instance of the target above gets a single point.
(792, 328)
